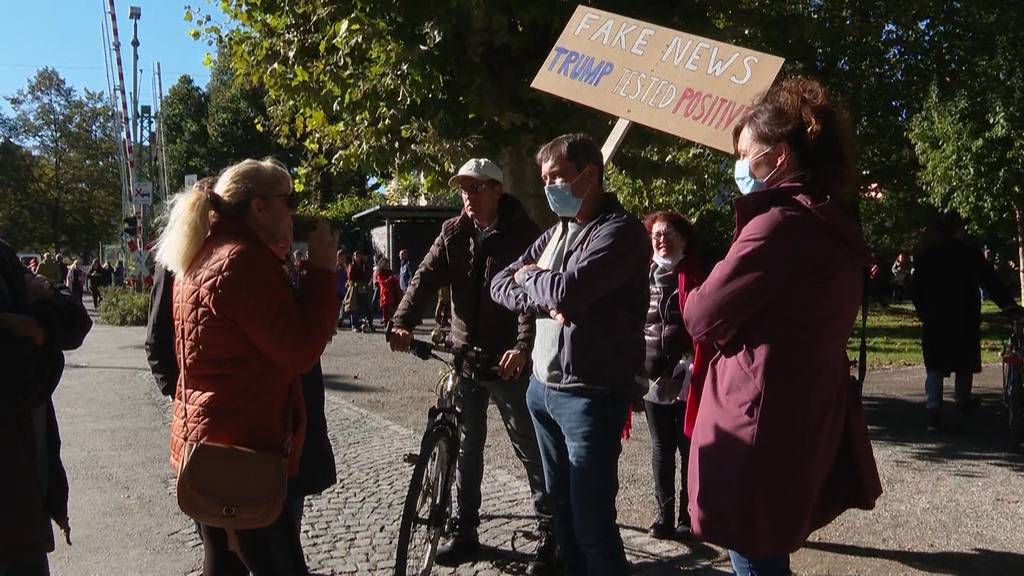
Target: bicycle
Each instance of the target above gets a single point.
(1013, 381)
(426, 510)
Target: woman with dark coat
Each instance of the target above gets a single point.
(780, 445)
(947, 276)
(37, 324)
(670, 360)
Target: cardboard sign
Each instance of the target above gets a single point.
(676, 82)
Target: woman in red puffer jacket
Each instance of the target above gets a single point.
(244, 336)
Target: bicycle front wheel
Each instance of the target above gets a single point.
(426, 504)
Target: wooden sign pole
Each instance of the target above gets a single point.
(615, 139)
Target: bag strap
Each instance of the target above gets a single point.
(862, 360)
(181, 389)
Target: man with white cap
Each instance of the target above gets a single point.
(491, 233)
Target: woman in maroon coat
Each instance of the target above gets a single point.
(780, 446)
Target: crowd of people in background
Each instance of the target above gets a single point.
(66, 271)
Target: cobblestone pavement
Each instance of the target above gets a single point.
(353, 527)
(953, 503)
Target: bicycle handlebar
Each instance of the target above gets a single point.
(473, 357)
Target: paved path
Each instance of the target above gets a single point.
(954, 504)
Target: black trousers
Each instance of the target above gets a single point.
(272, 551)
(665, 422)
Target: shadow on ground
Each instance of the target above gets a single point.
(978, 561)
(339, 384)
(981, 436)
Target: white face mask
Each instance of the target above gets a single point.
(668, 262)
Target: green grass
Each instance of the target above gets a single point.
(894, 336)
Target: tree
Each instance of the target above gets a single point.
(969, 135)
(186, 136)
(400, 86)
(66, 144)
(21, 222)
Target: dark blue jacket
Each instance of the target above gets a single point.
(602, 291)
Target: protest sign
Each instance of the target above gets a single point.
(686, 85)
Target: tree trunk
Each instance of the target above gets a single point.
(522, 180)
(1020, 247)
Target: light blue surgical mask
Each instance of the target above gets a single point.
(745, 180)
(560, 198)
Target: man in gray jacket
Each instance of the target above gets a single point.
(585, 279)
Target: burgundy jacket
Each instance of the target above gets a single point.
(780, 445)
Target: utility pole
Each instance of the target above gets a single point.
(161, 151)
(135, 14)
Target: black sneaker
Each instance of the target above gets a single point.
(545, 557)
(461, 544)
(661, 530)
(683, 530)
(967, 406)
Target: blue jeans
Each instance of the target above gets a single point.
(580, 439)
(766, 566)
(36, 565)
(510, 398)
(933, 387)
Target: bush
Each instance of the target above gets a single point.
(123, 307)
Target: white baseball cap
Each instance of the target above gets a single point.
(479, 168)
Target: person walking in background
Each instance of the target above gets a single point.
(119, 274)
(235, 305)
(50, 270)
(107, 273)
(387, 287)
(357, 295)
(585, 279)
(95, 280)
(38, 323)
(948, 274)
(780, 309)
(901, 273)
(405, 269)
(672, 362)
(374, 294)
(63, 263)
(75, 279)
(343, 262)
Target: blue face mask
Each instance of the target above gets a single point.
(560, 198)
(745, 180)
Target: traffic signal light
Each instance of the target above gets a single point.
(131, 227)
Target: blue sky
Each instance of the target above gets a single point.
(65, 34)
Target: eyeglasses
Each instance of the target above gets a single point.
(473, 188)
(666, 235)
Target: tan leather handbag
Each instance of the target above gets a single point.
(230, 487)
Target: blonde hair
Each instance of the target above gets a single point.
(190, 212)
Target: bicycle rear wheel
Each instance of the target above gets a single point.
(1013, 393)
(426, 504)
